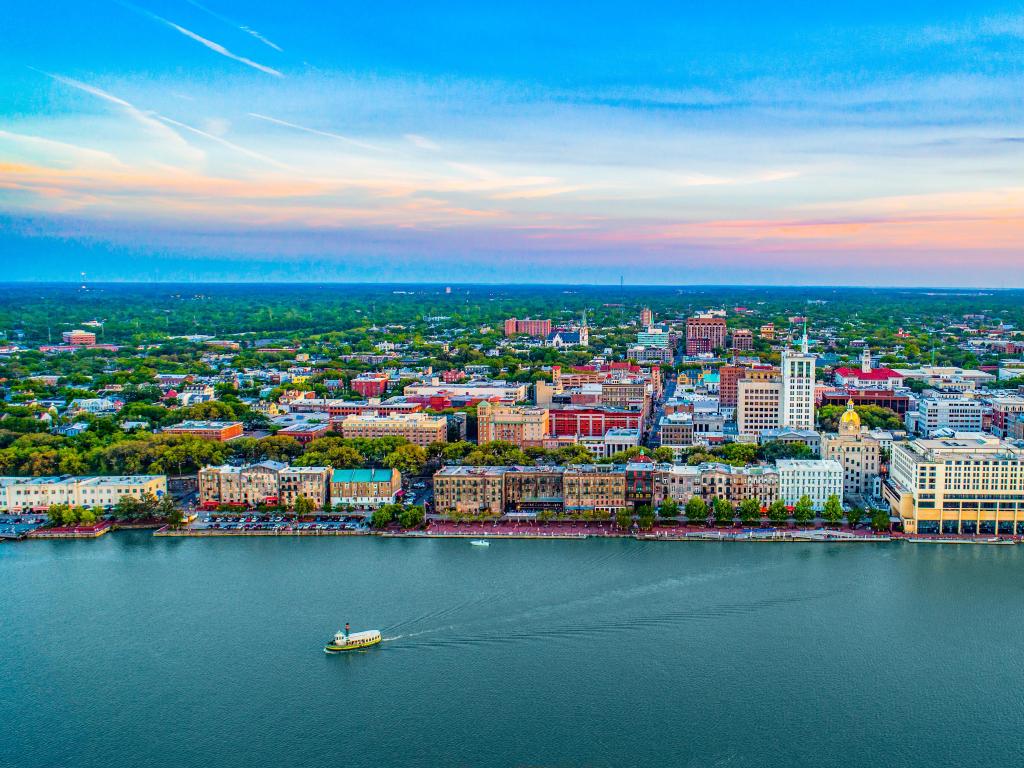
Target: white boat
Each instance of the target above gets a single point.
(480, 543)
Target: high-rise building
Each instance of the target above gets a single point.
(646, 317)
(796, 402)
(972, 483)
(704, 334)
(528, 327)
(758, 404)
(742, 339)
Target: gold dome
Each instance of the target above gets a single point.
(849, 422)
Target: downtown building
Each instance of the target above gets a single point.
(268, 482)
(365, 488)
(971, 483)
(524, 426)
(527, 327)
(818, 479)
(859, 453)
(40, 493)
(705, 334)
(418, 428)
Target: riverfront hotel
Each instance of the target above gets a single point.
(971, 483)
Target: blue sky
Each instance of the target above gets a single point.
(711, 142)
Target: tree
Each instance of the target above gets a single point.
(165, 507)
(382, 516)
(750, 512)
(663, 454)
(407, 459)
(56, 515)
(128, 508)
(411, 517)
(669, 508)
(778, 513)
(696, 510)
(854, 516)
(623, 519)
(645, 516)
(833, 511)
(880, 522)
(174, 518)
(304, 506)
(803, 510)
(723, 511)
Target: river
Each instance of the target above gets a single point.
(131, 650)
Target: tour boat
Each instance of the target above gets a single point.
(350, 641)
(480, 543)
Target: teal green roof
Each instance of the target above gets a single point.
(361, 475)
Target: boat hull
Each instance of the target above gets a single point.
(353, 646)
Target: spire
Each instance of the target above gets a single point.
(865, 360)
(804, 346)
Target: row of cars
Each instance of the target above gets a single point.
(277, 523)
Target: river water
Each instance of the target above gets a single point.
(133, 651)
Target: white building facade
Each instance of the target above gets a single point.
(816, 479)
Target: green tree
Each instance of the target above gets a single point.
(750, 512)
(833, 511)
(382, 516)
(696, 510)
(880, 522)
(623, 519)
(128, 508)
(669, 508)
(408, 459)
(645, 517)
(304, 506)
(723, 511)
(56, 515)
(165, 507)
(411, 517)
(854, 516)
(777, 512)
(174, 518)
(803, 510)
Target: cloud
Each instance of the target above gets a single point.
(985, 28)
(422, 142)
(236, 25)
(218, 48)
(315, 131)
(146, 119)
(225, 143)
(81, 155)
(215, 47)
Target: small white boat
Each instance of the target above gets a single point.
(480, 543)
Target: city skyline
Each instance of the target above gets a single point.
(219, 141)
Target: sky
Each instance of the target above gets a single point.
(870, 143)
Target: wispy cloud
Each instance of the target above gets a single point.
(225, 143)
(989, 27)
(83, 156)
(145, 118)
(422, 142)
(218, 48)
(215, 47)
(248, 30)
(315, 131)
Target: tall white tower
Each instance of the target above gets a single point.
(865, 360)
(796, 404)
